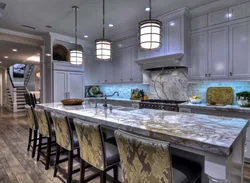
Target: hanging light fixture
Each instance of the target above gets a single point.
(76, 55)
(103, 46)
(150, 32)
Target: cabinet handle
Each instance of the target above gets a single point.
(205, 75)
(68, 95)
(121, 79)
(106, 81)
(231, 74)
(65, 95)
(209, 75)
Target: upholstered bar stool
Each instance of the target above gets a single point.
(46, 130)
(33, 129)
(149, 160)
(94, 151)
(66, 139)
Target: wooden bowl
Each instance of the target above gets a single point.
(72, 101)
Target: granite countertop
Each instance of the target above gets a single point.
(213, 134)
(227, 108)
(112, 99)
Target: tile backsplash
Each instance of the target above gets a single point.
(200, 88)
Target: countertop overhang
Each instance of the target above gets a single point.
(211, 134)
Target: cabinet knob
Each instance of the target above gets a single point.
(205, 75)
(231, 74)
(209, 75)
(106, 81)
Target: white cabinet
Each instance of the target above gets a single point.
(199, 22)
(199, 55)
(218, 53)
(109, 72)
(127, 65)
(239, 11)
(68, 85)
(117, 65)
(218, 17)
(173, 37)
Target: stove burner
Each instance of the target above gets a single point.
(167, 105)
(163, 101)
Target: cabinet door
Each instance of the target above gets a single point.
(218, 53)
(100, 72)
(109, 72)
(239, 61)
(199, 55)
(117, 66)
(218, 17)
(126, 65)
(173, 37)
(136, 69)
(199, 22)
(239, 11)
(60, 85)
(75, 85)
(89, 68)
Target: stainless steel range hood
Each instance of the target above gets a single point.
(166, 61)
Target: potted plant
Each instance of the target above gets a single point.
(243, 98)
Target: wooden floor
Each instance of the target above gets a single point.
(16, 164)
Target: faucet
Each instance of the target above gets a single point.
(105, 99)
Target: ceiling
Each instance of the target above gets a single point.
(124, 14)
(22, 54)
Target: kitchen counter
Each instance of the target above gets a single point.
(227, 108)
(219, 139)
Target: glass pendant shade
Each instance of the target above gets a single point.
(150, 34)
(103, 49)
(76, 57)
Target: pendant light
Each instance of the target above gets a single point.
(103, 46)
(76, 54)
(150, 32)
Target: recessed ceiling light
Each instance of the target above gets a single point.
(0, 62)
(111, 25)
(6, 57)
(48, 54)
(147, 9)
(86, 36)
(14, 50)
(120, 45)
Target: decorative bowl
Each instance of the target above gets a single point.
(195, 101)
(72, 101)
(243, 102)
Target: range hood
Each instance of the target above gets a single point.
(166, 61)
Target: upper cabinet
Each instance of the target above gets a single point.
(239, 11)
(199, 22)
(218, 17)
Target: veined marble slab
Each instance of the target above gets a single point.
(207, 133)
(227, 108)
(113, 99)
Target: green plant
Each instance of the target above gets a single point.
(244, 94)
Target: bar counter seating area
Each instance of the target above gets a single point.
(119, 144)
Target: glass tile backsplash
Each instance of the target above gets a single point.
(123, 89)
(201, 87)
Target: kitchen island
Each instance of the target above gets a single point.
(219, 140)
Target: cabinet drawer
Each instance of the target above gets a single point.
(207, 112)
(199, 22)
(185, 110)
(239, 11)
(218, 17)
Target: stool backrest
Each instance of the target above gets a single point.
(91, 143)
(63, 131)
(31, 118)
(44, 123)
(27, 99)
(144, 159)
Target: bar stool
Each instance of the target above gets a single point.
(149, 160)
(33, 127)
(46, 130)
(66, 139)
(94, 151)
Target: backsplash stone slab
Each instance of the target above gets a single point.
(169, 84)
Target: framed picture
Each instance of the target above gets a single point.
(18, 70)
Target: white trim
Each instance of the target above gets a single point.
(21, 34)
(215, 6)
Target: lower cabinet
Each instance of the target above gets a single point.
(68, 85)
(225, 114)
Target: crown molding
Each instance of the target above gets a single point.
(21, 34)
(215, 6)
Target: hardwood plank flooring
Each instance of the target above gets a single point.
(16, 164)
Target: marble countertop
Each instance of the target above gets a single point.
(227, 108)
(113, 99)
(212, 134)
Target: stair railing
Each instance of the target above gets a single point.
(13, 93)
(27, 77)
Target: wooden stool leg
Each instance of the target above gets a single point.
(57, 158)
(70, 166)
(82, 172)
(34, 143)
(48, 153)
(115, 170)
(39, 147)
(30, 136)
(103, 177)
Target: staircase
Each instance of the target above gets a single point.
(20, 100)
(28, 73)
